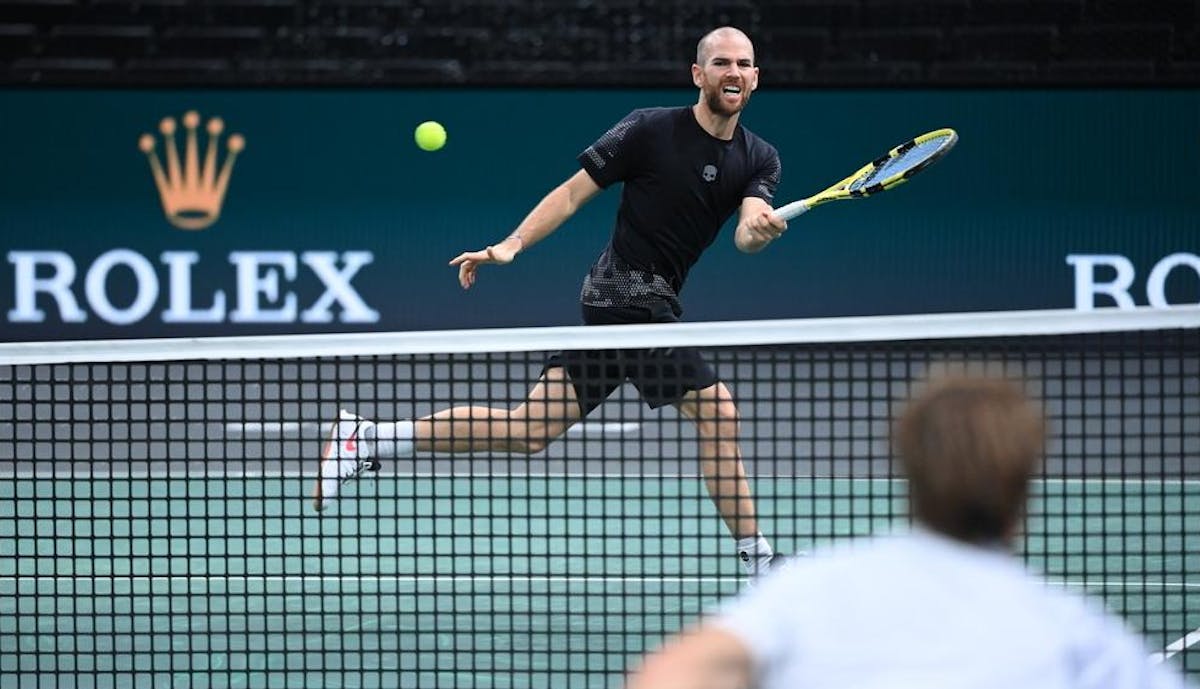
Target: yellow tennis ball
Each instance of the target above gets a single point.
(430, 136)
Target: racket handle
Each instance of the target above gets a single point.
(792, 210)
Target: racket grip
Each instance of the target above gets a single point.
(791, 210)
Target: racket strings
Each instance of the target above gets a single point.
(903, 162)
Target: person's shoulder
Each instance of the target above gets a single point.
(664, 111)
(906, 550)
(1096, 634)
(756, 145)
(843, 558)
(656, 115)
(1075, 609)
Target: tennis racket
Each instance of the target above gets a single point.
(881, 174)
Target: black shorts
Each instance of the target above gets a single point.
(662, 376)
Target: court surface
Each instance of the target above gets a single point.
(538, 580)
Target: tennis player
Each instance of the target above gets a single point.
(944, 605)
(685, 171)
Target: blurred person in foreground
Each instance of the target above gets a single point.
(945, 604)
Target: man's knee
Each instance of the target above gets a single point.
(528, 445)
(531, 437)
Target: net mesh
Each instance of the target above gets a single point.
(157, 526)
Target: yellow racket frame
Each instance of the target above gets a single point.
(842, 191)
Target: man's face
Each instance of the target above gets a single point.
(728, 74)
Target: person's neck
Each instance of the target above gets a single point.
(716, 124)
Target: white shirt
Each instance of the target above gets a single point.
(922, 610)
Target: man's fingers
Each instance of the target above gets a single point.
(468, 264)
(776, 223)
(770, 230)
(766, 233)
(476, 256)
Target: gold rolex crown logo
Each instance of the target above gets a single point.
(192, 194)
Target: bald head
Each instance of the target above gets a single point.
(706, 46)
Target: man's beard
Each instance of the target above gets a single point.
(718, 105)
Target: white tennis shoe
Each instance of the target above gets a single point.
(345, 456)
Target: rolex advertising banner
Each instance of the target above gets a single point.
(167, 214)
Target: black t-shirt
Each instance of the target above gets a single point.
(680, 186)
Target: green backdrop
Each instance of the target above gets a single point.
(1038, 176)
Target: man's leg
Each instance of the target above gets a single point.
(354, 443)
(717, 424)
(547, 413)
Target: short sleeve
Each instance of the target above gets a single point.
(611, 157)
(766, 177)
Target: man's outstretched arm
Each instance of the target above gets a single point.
(546, 217)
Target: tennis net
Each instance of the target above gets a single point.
(157, 528)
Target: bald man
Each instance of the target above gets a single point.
(684, 171)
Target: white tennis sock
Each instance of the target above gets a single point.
(755, 553)
(394, 438)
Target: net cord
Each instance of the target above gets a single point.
(537, 339)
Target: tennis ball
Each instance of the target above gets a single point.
(430, 136)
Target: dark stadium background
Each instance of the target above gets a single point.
(803, 43)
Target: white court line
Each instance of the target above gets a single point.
(510, 578)
(273, 429)
(1172, 649)
(314, 430)
(375, 579)
(1119, 584)
(1190, 639)
(51, 472)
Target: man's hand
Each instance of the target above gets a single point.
(765, 227)
(758, 228)
(468, 262)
